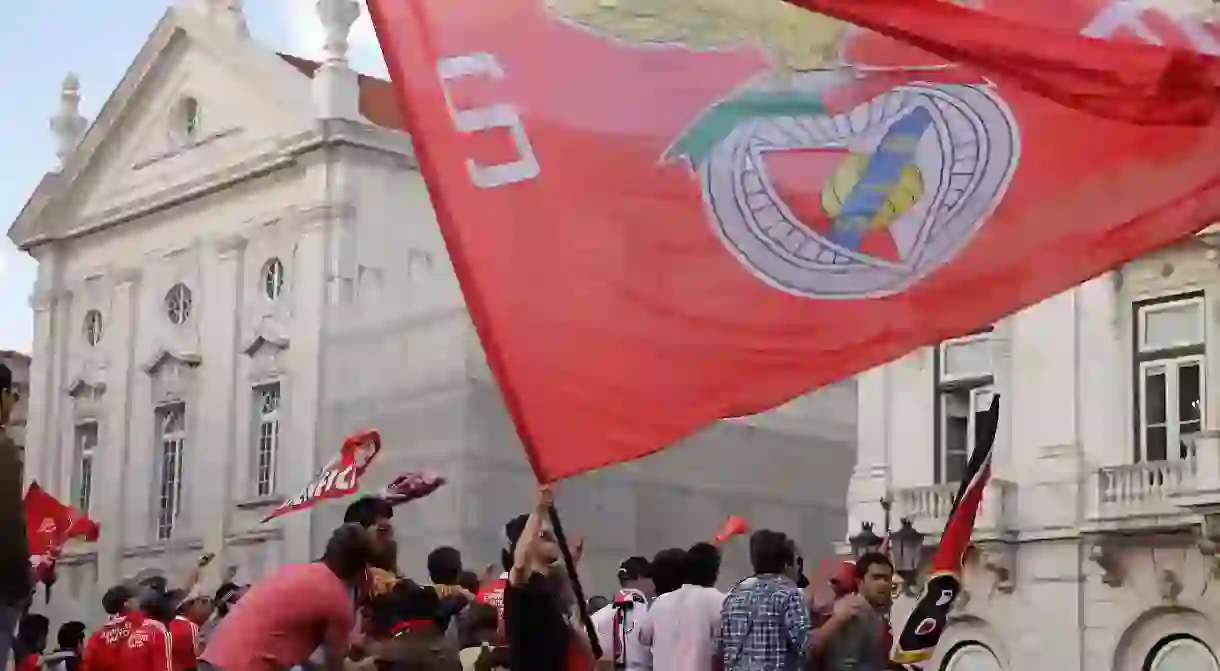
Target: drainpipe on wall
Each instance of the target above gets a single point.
(1081, 482)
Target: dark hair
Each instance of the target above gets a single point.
(366, 510)
(347, 552)
(114, 601)
(469, 581)
(632, 569)
(771, 552)
(157, 604)
(156, 582)
(445, 565)
(223, 594)
(407, 600)
(870, 559)
(6, 378)
(703, 565)
(71, 635)
(669, 570)
(32, 634)
(512, 534)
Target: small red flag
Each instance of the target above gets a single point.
(49, 526)
(657, 225)
(340, 477)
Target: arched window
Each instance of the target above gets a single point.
(971, 656)
(178, 304)
(1181, 652)
(93, 327)
(186, 122)
(273, 279)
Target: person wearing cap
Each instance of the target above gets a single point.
(193, 610)
(103, 649)
(539, 633)
(149, 647)
(618, 623)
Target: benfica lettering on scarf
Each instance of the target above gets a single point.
(926, 623)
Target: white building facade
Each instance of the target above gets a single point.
(1096, 540)
(238, 265)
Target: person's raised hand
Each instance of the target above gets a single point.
(848, 606)
(546, 498)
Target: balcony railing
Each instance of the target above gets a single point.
(929, 507)
(1146, 489)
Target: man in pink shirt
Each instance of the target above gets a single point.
(286, 616)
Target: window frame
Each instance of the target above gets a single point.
(941, 385)
(1171, 356)
(163, 528)
(180, 301)
(262, 419)
(82, 478)
(274, 278)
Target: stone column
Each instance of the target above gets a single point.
(112, 472)
(213, 493)
(39, 437)
(63, 446)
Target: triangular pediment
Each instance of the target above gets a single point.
(145, 143)
(163, 357)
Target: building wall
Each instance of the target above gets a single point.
(1065, 369)
(400, 355)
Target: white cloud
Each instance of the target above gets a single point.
(308, 35)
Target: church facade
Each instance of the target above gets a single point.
(238, 265)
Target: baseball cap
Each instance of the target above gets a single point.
(845, 576)
(634, 568)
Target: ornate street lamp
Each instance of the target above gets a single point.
(906, 551)
(866, 541)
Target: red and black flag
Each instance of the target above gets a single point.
(924, 626)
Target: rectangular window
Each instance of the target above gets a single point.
(171, 421)
(964, 389)
(82, 478)
(267, 400)
(1170, 375)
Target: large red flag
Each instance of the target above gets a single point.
(49, 526)
(661, 219)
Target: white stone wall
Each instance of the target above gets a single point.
(1064, 368)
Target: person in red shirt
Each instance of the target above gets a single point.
(31, 642)
(149, 646)
(184, 629)
(104, 646)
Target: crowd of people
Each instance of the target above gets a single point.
(354, 610)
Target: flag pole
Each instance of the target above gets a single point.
(574, 579)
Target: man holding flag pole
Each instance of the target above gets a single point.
(665, 219)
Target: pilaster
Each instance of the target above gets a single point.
(219, 392)
(114, 448)
(304, 361)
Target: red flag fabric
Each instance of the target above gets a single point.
(657, 224)
(927, 621)
(411, 486)
(49, 526)
(735, 525)
(340, 477)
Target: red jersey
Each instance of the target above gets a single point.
(31, 662)
(103, 650)
(493, 594)
(184, 644)
(148, 648)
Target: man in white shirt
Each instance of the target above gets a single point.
(618, 623)
(681, 626)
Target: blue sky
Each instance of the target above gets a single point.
(40, 42)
